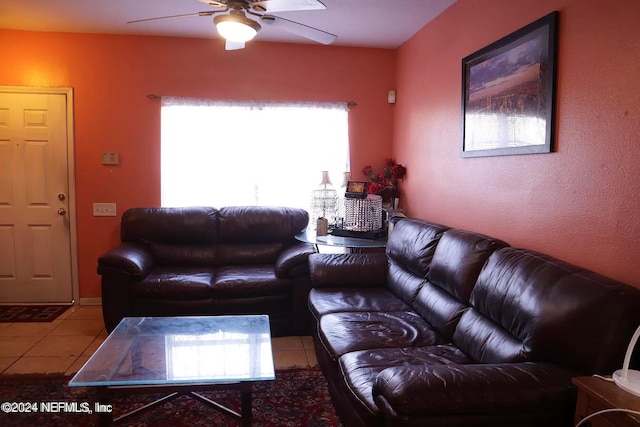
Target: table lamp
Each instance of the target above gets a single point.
(625, 378)
(324, 204)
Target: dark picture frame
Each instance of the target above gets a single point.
(356, 189)
(508, 93)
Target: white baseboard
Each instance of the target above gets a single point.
(90, 301)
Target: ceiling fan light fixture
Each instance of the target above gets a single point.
(236, 28)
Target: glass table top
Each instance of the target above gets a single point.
(339, 241)
(182, 350)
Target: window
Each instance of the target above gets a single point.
(228, 153)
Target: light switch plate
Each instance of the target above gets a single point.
(110, 159)
(104, 209)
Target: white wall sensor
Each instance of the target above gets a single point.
(391, 97)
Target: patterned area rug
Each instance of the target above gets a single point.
(296, 398)
(30, 313)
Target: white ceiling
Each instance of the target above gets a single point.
(367, 23)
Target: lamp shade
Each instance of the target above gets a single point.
(236, 28)
(346, 179)
(325, 178)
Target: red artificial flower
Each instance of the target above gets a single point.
(386, 181)
(398, 171)
(375, 188)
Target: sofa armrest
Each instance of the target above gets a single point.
(294, 260)
(432, 390)
(130, 259)
(348, 270)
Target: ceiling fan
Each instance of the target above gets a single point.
(237, 29)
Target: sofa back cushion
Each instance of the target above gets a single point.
(410, 249)
(170, 226)
(456, 264)
(458, 260)
(248, 253)
(183, 255)
(261, 224)
(530, 306)
(205, 236)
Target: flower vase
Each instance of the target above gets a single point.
(395, 203)
(387, 196)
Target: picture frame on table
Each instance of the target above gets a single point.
(356, 189)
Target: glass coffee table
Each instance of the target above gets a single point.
(181, 356)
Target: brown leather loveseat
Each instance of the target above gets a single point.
(205, 261)
(453, 328)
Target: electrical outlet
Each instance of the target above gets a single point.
(104, 209)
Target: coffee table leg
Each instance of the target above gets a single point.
(245, 399)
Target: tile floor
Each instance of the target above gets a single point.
(64, 345)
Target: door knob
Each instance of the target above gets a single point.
(61, 196)
(62, 211)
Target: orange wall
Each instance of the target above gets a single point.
(111, 76)
(580, 203)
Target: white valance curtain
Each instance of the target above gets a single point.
(226, 153)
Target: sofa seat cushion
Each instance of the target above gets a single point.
(330, 300)
(179, 283)
(341, 333)
(248, 281)
(360, 368)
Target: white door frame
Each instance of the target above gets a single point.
(71, 170)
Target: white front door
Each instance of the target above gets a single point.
(35, 237)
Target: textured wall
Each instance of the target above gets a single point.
(112, 75)
(580, 203)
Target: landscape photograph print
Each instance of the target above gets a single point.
(508, 93)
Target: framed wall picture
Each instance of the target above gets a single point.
(508, 91)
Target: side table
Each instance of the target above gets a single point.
(596, 394)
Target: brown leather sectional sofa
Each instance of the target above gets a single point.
(205, 261)
(453, 328)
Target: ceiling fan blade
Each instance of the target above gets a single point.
(286, 5)
(229, 45)
(299, 29)
(213, 3)
(186, 15)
